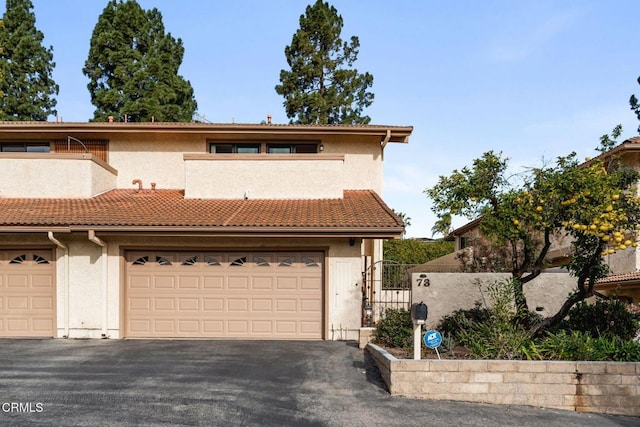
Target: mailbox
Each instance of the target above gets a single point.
(419, 312)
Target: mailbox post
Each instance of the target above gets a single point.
(419, 312)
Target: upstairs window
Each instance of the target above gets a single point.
(262, 147)
(292, 148)
(225, 148)
(25, 147)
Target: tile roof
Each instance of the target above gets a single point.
(359, 211)
(619, 278)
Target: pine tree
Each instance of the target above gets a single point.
(133, 67)
(321, 86)
(27, 84)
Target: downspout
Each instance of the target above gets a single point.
(105, 284)
(60, 245)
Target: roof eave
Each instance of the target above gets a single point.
(227, 231)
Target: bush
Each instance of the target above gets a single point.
(461, 320)
(608, 318)
(489, 333)
(579, 345)
(395, 329)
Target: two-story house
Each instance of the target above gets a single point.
(190, 230)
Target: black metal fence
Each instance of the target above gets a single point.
(389, 285)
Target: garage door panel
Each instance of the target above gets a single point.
(213, 282)
(213, 327)
(261, 305)
(226, 295)
(164, 304)
(164, 282)
(42, 325)
(189, 282)
(188, 304)
(42, 303)
(17, 325)
(287, 283)
(188, 326)
(213, 304)
(262, 283)
(139, 282)
(241, 283)
(17, 281)
(238, 327)
(165, 326)
(234, 304)
(286, 305)
(261, 327)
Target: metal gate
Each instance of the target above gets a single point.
(387, 285)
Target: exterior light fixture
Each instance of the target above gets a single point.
(368, 313)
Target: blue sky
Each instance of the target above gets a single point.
(533, 79)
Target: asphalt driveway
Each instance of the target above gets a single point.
(227, 383)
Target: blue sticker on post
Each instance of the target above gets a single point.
(432, 339)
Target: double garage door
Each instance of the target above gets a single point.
(267, 295)
(27, 293)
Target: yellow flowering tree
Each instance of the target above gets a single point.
(593, 203)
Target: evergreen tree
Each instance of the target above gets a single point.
(27, 84)
(635, 105)
(133, 67)
(321, 86)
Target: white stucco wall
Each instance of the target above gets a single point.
(53, 176)
(266, 176)
(160, 159)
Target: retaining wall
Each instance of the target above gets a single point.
(603, 387)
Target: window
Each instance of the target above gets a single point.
(225, 148)
(291, 148)
(262, 147)
(25, 147)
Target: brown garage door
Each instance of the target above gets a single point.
(27, 293)
(224, 295)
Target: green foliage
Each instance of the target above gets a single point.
(27, 84)
(635, 106)
(409, 251)
(594, 203)
(461, 320)
(578, 345)
(494, 333)
(133, 67)
(603, 319)
(395, 329)
(322, 87)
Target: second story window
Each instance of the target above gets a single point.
(292, 148)
(25, 147)
(224, 148)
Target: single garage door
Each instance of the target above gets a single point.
(27, 293)
(268, 295)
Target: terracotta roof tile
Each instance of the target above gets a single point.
(619, 278)
(357, 210)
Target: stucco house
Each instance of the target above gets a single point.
(190, 230)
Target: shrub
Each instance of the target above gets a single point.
(489, 333)
(604, 318)
(578, 345)
(461, 320)
(395, 329)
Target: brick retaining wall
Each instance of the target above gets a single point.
(603, 387)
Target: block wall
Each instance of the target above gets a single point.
(602, 387)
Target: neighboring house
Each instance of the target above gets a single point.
(624, 281)
(189, 230)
